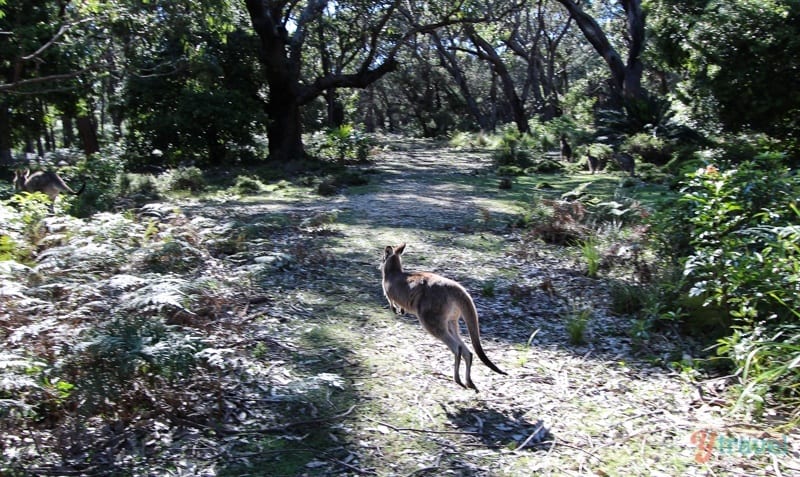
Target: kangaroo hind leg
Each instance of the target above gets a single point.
(460, 350)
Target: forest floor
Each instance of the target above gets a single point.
(315, 376)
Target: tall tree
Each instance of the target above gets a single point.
(369, 40)
(46, 46)
(283, 27)
(626, 75)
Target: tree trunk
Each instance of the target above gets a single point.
(626, 79)
(5, 136)
(507, 82)
(632, 86)
(86, 130)
(450, 63)
(284, 129)
(68, 133)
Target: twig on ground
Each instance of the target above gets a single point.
(423, 431)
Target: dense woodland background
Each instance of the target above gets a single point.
(144, 100)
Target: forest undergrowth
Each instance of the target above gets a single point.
(248, 335)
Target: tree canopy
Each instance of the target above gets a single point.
(215, 82)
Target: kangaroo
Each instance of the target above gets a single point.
(626, 163)
(438, 303)
(49, 183)
(566, 150)
(594, 163)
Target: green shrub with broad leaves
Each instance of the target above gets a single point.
(736, 234)
(101, 173)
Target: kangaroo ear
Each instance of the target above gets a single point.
(387, 252)
(399, 249)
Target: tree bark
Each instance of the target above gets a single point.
(626, 78)
(5, 135)
(507, 82)
(88, 135)
(450, 63)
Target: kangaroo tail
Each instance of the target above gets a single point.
(79, 191)
(470, 315)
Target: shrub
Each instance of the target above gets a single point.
(545, 166)
(556, 221)
(626, 299)
(576, 324)
(183, 178)
(129, 353)
(515, 149)
(510, 171)
(591, 255)
(248, 185)
(101, 173)
(740, 255)
(343, 144)
(652, 149)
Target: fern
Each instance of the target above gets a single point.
(157, 296)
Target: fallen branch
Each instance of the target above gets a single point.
(424, 431)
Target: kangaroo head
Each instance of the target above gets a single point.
(391, 258)
(20, 177)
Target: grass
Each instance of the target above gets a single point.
(591, 255)
(577, 323)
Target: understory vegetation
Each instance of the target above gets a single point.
(129, 317)
(202, 296)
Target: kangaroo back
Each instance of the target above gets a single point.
(49, 183)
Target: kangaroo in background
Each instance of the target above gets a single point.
(566, 150)
(626, 163)
(438, 303)
(49, 183)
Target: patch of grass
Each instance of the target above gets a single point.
(488, 289)
(626, 299)
(577, 322)
(591, 256)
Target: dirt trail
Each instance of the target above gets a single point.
(387, 402)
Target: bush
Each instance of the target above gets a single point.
(129, 353)
(545, 166)
(652, 149)
(343, 144)
(515, 149)
(183, 178)
(248, 185)
(735, 235)
(101, 173)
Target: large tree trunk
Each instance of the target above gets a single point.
(450, 63)
(281, 57)
(88, 134)
(626, 78)
(284, 129)
(5, 135)
(507, 82)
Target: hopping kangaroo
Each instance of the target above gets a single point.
(49, 183)
(438, 303)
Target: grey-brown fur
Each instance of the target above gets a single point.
(626, 163)
(594, 163)
(566, 150)
(438, 303)
(48, 183)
